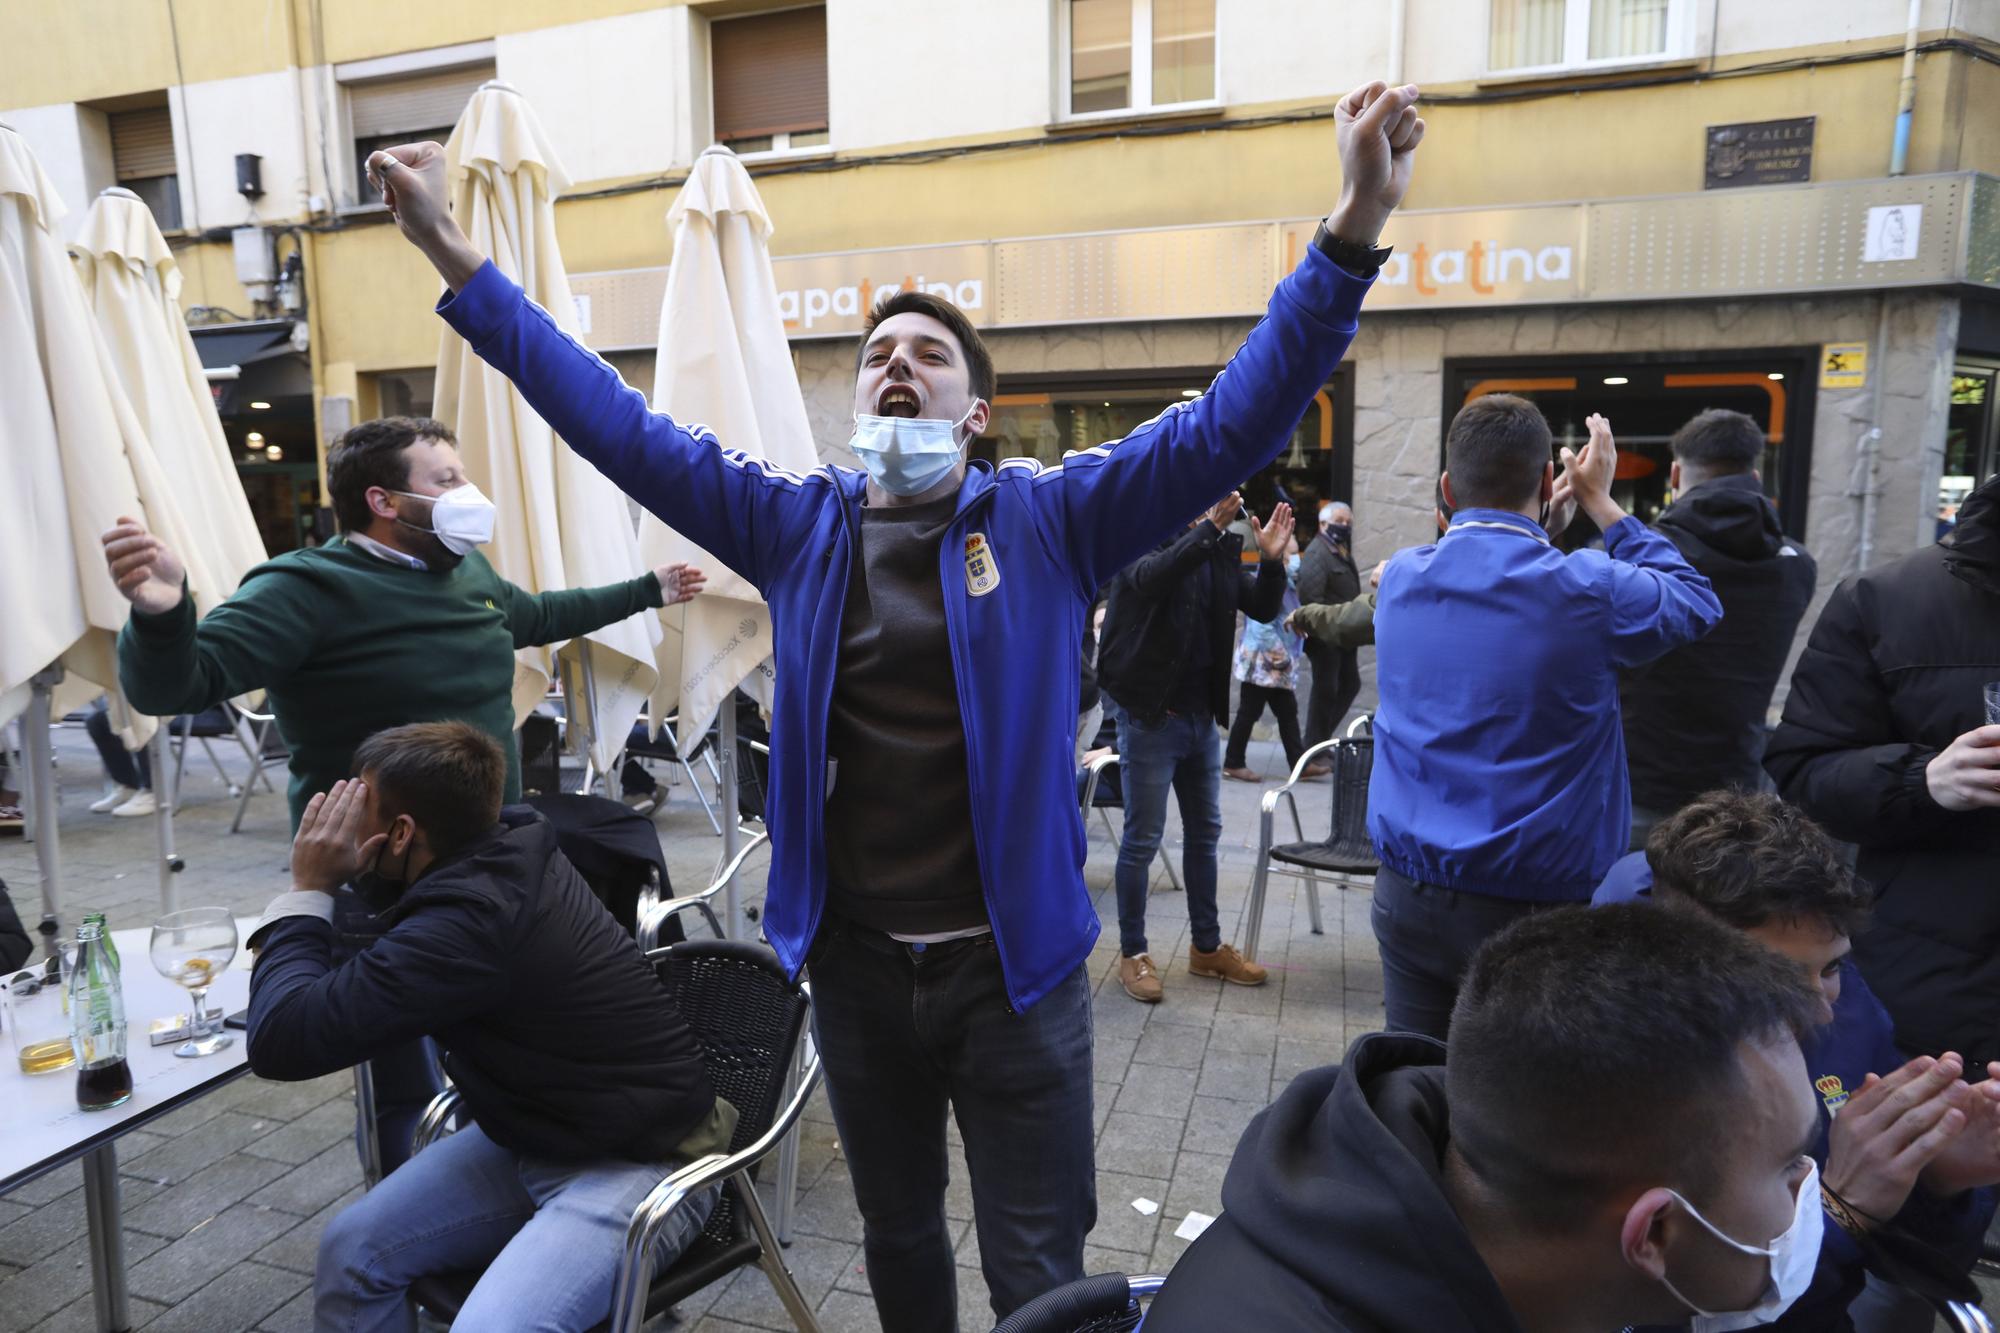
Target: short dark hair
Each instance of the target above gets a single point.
(1749, 857)
(1720, 441)
(1495, 451)
(448, 777)
(1598, 1049)
(895, 301)
(371, 454)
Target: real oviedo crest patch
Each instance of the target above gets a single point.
(982, 572)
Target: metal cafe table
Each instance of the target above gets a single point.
(42, 1129)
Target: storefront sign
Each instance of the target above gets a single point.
(824, 296)
(1843, 365)
(1763, 152)
(1471, 257)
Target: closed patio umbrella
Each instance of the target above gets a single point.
(724, 362)
(560, 524)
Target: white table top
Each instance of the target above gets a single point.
(41, 1127)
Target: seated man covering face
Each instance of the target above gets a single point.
(1619, 1137)
(1906, 1146)
(585, 1085)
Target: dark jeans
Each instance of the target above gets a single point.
(1426, 936)
(127, 768)
(406, 1076)
(1184, 754)
(1250, 704)
(909, 1031)
(1336, 684)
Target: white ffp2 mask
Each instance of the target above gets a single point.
(461, 518)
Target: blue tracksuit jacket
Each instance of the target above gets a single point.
(1499, 758)
(1053, 537)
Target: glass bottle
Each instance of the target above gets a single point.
(97, 1023)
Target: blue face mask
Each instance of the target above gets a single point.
(1291, 566)
(906, 455)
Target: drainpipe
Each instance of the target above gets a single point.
(1871, 442)
(1906, 95)
(1398, 14)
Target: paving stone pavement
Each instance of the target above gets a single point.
(225, 1199)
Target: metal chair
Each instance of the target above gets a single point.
(1966, 1318)
(1106, 1303)
(209, 725)
(666, 746)
(1093, 778)
(750, 1020)
(1343, 856)
(263, 728)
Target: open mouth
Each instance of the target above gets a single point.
(898, 400)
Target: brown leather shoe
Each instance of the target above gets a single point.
(1227, 964)
(1141, 979)
(1316, 769)
(1242, 774)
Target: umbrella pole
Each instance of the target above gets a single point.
(166, 795)
(587, 742)
(730, 812)
(42, 798)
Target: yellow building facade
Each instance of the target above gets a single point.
(1641, 207)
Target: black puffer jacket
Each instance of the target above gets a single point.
(1891, 676)
(1695, 719)
(556, 1029)
(1151, 617)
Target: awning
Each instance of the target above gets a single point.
(254, 362)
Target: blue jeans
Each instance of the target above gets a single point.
(910, 1033)
(1426, 936)
(550, 1236)
(1183, 753)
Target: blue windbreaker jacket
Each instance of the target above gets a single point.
(1499, 758)
(1053, 537)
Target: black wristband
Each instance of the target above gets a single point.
(1353, 256)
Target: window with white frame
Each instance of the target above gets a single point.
(1528, 35)
(1126, 56)
(767, 73)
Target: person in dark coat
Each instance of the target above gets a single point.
(1882, 742)
(16, 945)
(1695, 719)
(1624, 1112)
(585, 1085)
(1328, 576)
(1164, 659)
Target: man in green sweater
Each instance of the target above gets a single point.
(397, 620)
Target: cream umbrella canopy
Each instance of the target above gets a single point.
(77, 449)
(559, 524)
(134, 286)
(723, 361)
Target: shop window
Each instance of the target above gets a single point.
(1045, 417)
(1137, 55)
(1647, 397)
(1971, 437)
(1528, 35)
(142, 160)
(769, 76)
(408, 106)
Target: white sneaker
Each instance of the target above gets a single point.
(112, 799)
(142, 803)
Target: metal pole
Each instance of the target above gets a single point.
(107, 1239)
(1869, 461)
(42, 796)
(166, 795)
(586, 747)
(731, 815)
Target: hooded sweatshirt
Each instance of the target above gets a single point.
(1334, 1214)
(1695, 719)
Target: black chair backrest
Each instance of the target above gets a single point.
(1353, 760)
(749, 1018)
(614, 847)
(1100, 1304)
